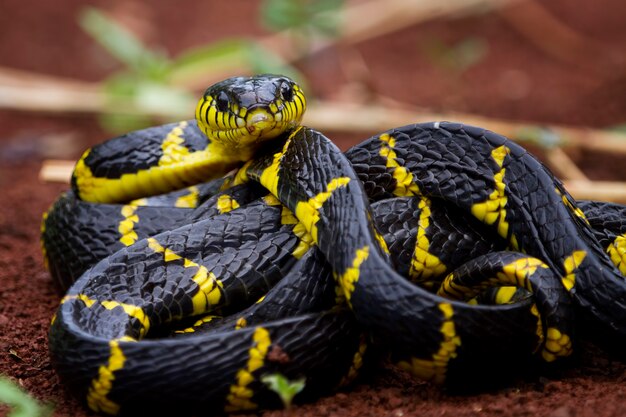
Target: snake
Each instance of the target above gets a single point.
(203, 258)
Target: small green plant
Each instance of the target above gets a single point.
(303, 19)
(143, 87)
(620, 128)
(538, 135)
(152, 83)
(21, 404)
(456, 58)
(309, 17)
(285, 388)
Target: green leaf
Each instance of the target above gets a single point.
(119, 123)
(469, 52)
(320, 16)
(22, 404)
(122, 44)
(621, 128)
(459, 57)
(326, 16)
(131, 98)
(165, 100)
(282, 14)
(541, 136)
(285, 388)
(264, 61)
(216, 57)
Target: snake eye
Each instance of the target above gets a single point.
(222, 102)
(286, 92)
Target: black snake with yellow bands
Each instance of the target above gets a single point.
(201, 277)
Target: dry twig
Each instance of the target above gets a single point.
(371, 119)
(564, 167)
(61, 170)
(56, 170)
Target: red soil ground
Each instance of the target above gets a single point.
(516, 79)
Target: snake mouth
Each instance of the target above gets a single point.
(263, 125)
(258, 126)
(258, 121)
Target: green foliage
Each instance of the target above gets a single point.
(308, 16)
(123, 45)
(541, 136)
(21, 404)
(149, 83)
(457, 58)
(285, 388)
(217, 56)
(263, 61)
(143, 87)
(621, 128)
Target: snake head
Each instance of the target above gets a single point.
(242, 112)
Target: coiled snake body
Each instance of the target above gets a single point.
(294, 265)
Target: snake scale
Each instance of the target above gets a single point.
(447, 247)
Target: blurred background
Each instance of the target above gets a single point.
(551, 73)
